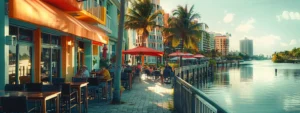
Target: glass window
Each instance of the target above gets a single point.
(25, 34)
(13, 30)
(12, 64)
(23, 52)
(55, 64)
(55, 40)
(45, 64)
(46, 38)
(25, 60)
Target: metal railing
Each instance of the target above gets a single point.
(98, 12)
(189, 99)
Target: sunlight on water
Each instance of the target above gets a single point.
(254, 87)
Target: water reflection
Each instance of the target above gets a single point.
(254, 88)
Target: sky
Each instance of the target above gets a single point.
(273, 25)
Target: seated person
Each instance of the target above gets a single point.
(83, 72)
(151, 69)
(127, 69)
(103, 73)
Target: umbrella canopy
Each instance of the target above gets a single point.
(180, 54)
(199, 56)
(143, 51)
(183, 58)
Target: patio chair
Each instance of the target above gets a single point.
(14, 87)
(58, 80)
(94, 88)
(156, 74)
(34, 87)
(68, 98)
(15, 104)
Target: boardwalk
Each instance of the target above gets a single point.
(145, 97)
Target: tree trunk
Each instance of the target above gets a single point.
(144, 44)
(117, 77)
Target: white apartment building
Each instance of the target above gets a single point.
(246, 46)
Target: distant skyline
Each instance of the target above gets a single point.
(273, 25)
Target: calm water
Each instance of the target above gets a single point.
(255, 88)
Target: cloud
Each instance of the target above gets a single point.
(292, 42)
(283, 44)
(286, 15)
(228, 17)
(246, 26)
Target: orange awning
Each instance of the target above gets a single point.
(43, 14)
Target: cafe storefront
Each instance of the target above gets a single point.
(47, 45)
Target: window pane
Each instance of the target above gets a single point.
(55, 40)
(45, 64)
(12, 64)
(55, 62)
(25, 53)
(46, 38)
(25, 34)
(13, 30)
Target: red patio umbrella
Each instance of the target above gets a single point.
(180, 54)
(199, 56)
(143, 51)
(104, 52)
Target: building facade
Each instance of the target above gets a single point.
(211, 41)
(204, 43)
(53, 38)
(246, 46)
(222, 44)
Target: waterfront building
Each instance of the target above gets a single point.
(222, 44)
(246, 46)
(211, 41)
(204, 43)
(52, 38)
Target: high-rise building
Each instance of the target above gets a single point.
(211, 41)
(246, 47)
(222, 44)
(204, 43)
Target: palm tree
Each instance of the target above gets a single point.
(141, 18)
(183, 28)
(117, 78)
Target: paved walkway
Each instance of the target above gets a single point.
(145, 97)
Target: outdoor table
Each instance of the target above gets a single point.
(36, 96)
(78, 86)
(106, 85)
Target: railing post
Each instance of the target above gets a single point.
(193, 80)
(187, 76)
(193, 103)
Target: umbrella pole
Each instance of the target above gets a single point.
(143, 59)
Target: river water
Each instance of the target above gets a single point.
(254, 87)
